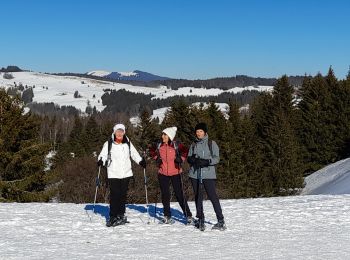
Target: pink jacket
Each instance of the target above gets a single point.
(167, 154)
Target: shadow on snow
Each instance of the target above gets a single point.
(154, 212)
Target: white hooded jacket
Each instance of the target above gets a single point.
(120, 165)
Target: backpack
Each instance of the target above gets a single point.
(176, 147)
(110, 142)
(210, 145)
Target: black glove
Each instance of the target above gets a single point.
(100, 162)
(143, 163)
(191, 159)
(178, 160)
(202, 163)
(159, 161)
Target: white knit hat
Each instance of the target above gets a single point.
(171, 132)
(119, 127)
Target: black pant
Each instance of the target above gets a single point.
(209, 186)
(164, 183)
(117, 199)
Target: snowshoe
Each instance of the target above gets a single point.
(167, 220)
(220, 225)
(117, 221)
(190, 221)
(111, 221)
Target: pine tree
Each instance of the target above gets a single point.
(91, 136)
(147, 130)
(236, 176)
(76, 144)
(181, 116)
(252, 158)
(22, 176)
(76, 140)
(273, 116)
(317, 115)
(283, 148)
(341, 114)
(346, 115)
(261, 116)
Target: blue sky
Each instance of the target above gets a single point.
(178, 38)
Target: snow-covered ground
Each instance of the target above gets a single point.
(60, 89)
(300, 227)
(99, 73)
(160, 112)
(332, 179)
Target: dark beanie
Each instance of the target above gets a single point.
(201, 126)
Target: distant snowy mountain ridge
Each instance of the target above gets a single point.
(60, 89)
(135, 75)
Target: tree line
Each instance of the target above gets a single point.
(265, 151)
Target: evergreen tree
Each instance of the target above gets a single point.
(236, 177)
(261, 117)
(316, 115)
(338, 114)
(91, 136)
(180, 115)
(76, 140)
(216, 123)
(346, 104)
(147, 130)
(76, 144)
(282, 145)
(22, 176)
(274, 119)
(251, 182)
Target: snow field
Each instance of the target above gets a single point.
(300, 227)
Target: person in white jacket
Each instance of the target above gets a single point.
(115, 156)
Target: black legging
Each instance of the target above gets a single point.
(164, 183)
(209, 186)
(117, 200)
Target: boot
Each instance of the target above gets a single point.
(220, 225)
(190, 221)
(200, 224)
(111, 221)
(121, 220)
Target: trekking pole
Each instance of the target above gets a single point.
(145, 178)
(97, 184)
(183, 192)
(155, 206)
(200, 196)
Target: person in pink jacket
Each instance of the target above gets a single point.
(169, 155)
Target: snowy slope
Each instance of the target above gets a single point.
(160, 112)
(300, 227)
(60, 89)
(332, 179)
(98, 73)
